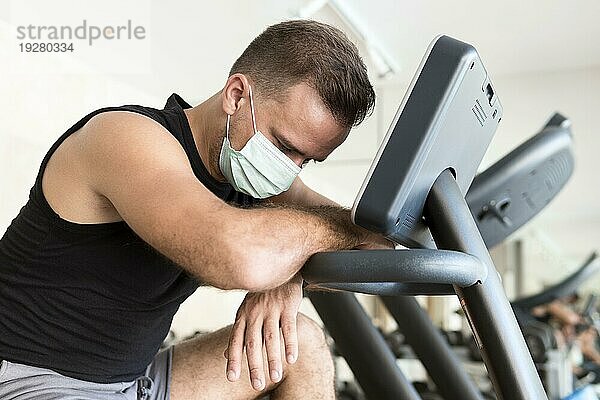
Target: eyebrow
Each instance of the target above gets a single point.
(290, 146)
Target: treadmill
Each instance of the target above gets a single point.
(415, 195)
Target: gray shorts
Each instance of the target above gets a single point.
(22, 382)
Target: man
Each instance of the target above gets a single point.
(134, 207)
(573, 329)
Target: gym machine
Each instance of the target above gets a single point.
(501, 199)
(415, 195)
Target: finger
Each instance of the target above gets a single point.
(254, 342)
(273, 347)
(235, 350)
(290, 336)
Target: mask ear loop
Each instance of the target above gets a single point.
(252, 108)
(227, 126)
(251, 111)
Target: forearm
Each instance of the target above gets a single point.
(283, 237)
(590, 352)
(563, 313)
(252, 249)
(591, 355)
(263, 247)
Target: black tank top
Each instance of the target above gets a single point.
(92, 301)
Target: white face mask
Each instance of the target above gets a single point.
(259, 169)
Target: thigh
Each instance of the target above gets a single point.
(199, 371)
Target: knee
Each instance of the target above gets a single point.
(312, 345)
(309, 332)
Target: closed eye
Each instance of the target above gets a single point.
(283, 147)
(290, 150)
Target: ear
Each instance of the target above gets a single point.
(234, 92)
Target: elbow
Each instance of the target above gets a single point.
(242, 278)
(252, 277)
(254, 273)
(255, 264)
(235, 270)
(254, 285)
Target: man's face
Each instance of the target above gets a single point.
(300, 125)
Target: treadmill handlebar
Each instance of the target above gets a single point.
(389, 289)
(558, 120)
(564, 288)
(410, 272)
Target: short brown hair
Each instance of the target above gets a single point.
(298, 51)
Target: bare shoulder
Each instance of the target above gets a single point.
(109, 130)
(121, 166)
(121, 141)
(94, 160)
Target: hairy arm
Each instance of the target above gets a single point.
(563, 313)
(262, 315)
(302, 196)
(144, 173)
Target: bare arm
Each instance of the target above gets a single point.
(300, 195)
(145, 174)
(262, 315)
(588, 344)
(563, 313)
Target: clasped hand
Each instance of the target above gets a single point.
(267, 318)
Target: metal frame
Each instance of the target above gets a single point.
(492, 320)
(517, 187)
(428, 272)
(430, 347)
(357, 340)
(497, 181)
(566, 287)
(489, 312)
